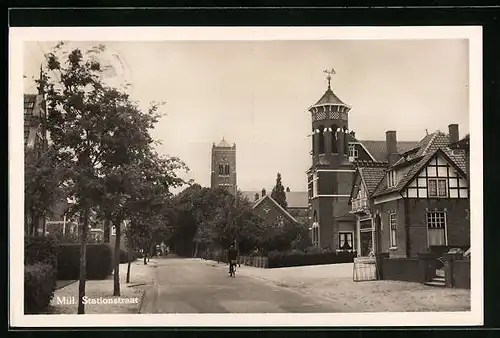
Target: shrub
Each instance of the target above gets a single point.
(99, 261)
(124, 256)
(40, 249)
(298, 258)
(39, 286)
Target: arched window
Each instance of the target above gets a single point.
(313, 138)
(346, 141)
(321, 136)
(226, 169)
(334, 139)
(221, 169)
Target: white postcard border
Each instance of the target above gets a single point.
(20, 35)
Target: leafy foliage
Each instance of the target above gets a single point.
(278, 193)
(39, 286)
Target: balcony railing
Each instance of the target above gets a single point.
(360, 204)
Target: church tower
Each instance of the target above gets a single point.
(224, 166)
(331, 173)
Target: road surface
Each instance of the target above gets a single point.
(195, 286)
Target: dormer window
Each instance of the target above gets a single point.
(391, 178)
(353, 152)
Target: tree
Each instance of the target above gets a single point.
(43, 186)
(278, 193)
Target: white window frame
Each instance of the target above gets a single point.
(437, 180)
(315, 185)
(353, 151)
(445, 227)
(393, 233)
(391, 178)
(352, 239)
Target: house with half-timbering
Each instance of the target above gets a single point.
(417, 202)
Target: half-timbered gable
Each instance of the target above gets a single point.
(440, 178)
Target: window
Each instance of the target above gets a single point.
(353, 152)
(437, 187)
(393, 232)
(315, 185)
(391, 178)
(221, 169)
(345, 240)
(113, 231)
(226, 169)
(321, 141)
(436, 228)
(280, 221)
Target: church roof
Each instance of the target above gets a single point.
(223, 144)
(294, 199)
(329, 98)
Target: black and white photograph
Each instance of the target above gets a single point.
(245, 176)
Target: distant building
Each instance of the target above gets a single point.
(419, 201)
(223, 173)
(266, 207)
(297, 204)
(34, 112)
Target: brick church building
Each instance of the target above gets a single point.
(223, 173)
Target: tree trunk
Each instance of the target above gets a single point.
(196, 250)
(116, 274)
(83, 261)
(145, 255)
(32, 223)
(106, 229)
(128, 266)
(44, 225)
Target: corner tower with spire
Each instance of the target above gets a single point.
(223, 172)
(331, 173)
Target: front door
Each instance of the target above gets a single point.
(366, 243)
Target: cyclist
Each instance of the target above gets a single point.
(232, 256)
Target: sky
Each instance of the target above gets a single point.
(257, 94)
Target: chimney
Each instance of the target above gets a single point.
(263, 192)
(453, 131)
(391, 147)
(256, 196)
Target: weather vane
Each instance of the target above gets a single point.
(329, 76)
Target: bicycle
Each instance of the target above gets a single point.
(232, 268)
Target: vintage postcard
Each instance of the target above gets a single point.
(249, 176)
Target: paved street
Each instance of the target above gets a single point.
(196, 286)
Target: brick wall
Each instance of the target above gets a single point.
(407, 270)
(458, 227)
(385, 209)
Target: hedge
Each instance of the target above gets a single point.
(40, 249)
(39, 286)
(99, 261)
(124, 256)
(300, 258)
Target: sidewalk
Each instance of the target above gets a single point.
(131, 294)
(334, 283)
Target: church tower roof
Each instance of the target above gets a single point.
(223, 144)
